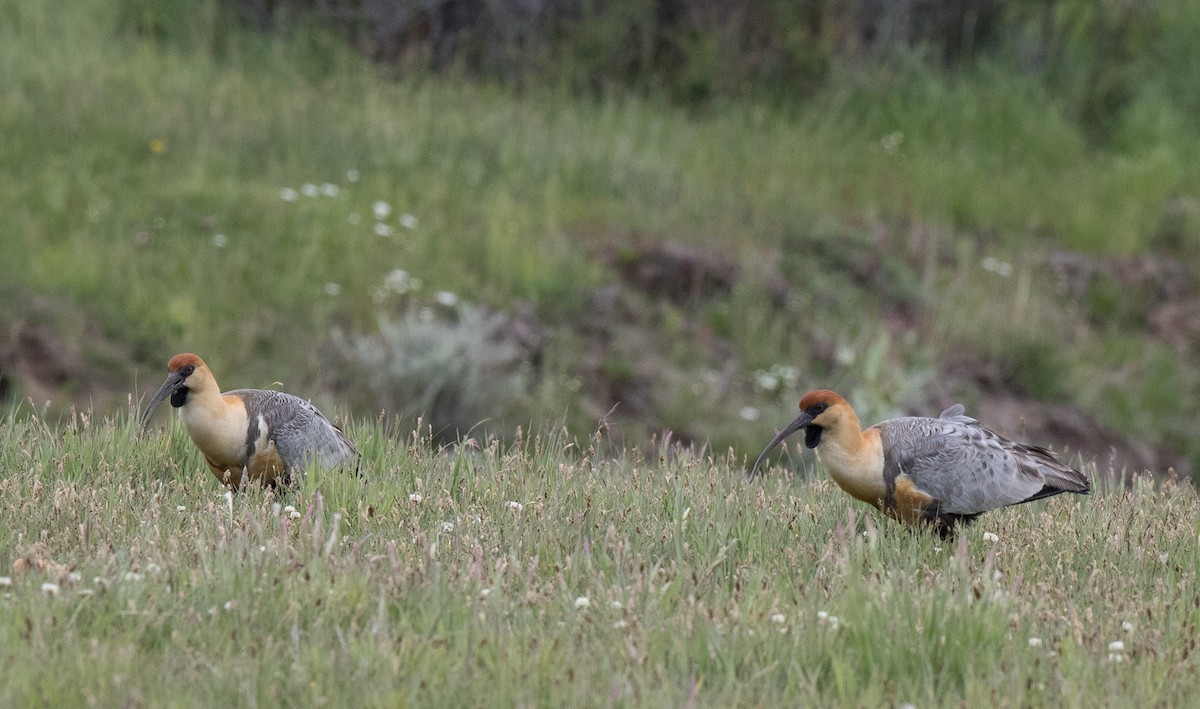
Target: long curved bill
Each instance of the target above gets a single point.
(800, 422)
(174, 381)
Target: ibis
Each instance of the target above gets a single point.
(254, 434)
(942, 472)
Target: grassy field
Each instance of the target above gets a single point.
(305, 221)
(554, 573)
(285, 209)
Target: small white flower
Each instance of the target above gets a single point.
(329, 189)
(50, 589)
(766, 381)
(783, 630)
(408, 221)
(415, 497)
(1116, 646)
(582, 602)
(996, 266)
(352, 175)
(86, 592)
(287, 194)
(447, 526)
(989, 537)
(74, 577)
(382, 229)
(485, 592)
(381, 210)
(1116, 657)
(616, 605)
(132, 576)
(778, 619)
(749, 413)
(397, 281)
(353, 218)
(332, 289)
(230, 605)
(1127, 627)
(833, 622)
(822, 615)
(294, 514)
(5, 581)
(1035, 642)
(515, 506)
(619, 625)
(289, 509)
(180, 508)
(446, 298)
(308, 189)
(220, 241)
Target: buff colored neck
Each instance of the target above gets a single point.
(854, 458)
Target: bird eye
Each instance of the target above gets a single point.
(817, 409)
(187, 371)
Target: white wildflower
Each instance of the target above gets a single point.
(989, 537)
(408, 221)
(50, 589)
(294, 514)
(287, 194)
(485, 592)
(329, 189)
(515, 506)
(230, 605)
(749, 413)
(382, 210)
(220, 241)
(308, 189)
(822, 616)
(133, 576)
(996, 266)
(447, 526)
(1116, 646)
(74, 577)
(446, 298)
(352, 175)
(180, 508)
(582, 602)
(1116, 657)
(382, 229)
(415, 497)
(619, 625)
(332, 289)
(778, 619)
(616, 605)
(5, 581)
(1035, 642)
(1127, 627)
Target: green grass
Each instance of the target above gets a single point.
(699, 587)
(141, 188)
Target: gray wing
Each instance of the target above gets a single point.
(301, 433)
(970, 469)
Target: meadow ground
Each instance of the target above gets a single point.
(561, 573)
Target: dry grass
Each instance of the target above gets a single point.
(552, 573)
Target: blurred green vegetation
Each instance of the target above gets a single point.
(175, 180)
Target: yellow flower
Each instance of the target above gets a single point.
(158, 146)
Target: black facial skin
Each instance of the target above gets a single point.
(179, 397)
(812, 435)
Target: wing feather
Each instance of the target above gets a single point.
(301, 433)
(968, 468)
